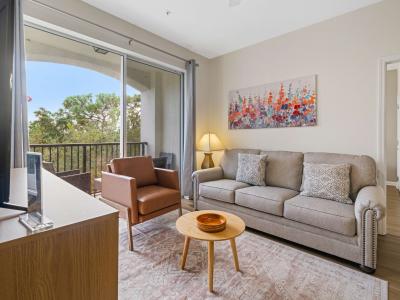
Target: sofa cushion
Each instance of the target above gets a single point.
(154, 197)
(327, 181)
(222, 190)
(284, 169)
(330, 215)
(362, 173)
(264, 198)
(229, 161)
(251, 168)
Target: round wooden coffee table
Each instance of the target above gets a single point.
(187, 226)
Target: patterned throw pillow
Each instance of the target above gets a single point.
(251, 168)
(326, 181)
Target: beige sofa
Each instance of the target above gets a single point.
(345, 230)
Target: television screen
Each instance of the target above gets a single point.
(6, 63)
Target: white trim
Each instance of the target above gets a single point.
(391, 183)
(392, 67)
(89, 39)
(123, 136)
(381, 110)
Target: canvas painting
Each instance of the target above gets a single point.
(290, 103)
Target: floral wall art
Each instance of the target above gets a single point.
(289, 103)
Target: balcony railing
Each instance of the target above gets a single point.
(91, 158)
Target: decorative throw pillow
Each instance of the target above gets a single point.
(326, 181)
(251, 168)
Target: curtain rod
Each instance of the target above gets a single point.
(129, 38)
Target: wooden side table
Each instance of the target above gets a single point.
(187, 226)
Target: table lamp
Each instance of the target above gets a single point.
(208, 143)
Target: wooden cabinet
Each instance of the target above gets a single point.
(77, 259)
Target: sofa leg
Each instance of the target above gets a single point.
(367, 270)
(130, 237)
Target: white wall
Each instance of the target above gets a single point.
(170, 117)
(150, 116)
(391, 126)
(160, 115)
(344, 54)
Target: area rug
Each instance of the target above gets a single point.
(269, 269)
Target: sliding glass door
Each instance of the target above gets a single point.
(74, 105)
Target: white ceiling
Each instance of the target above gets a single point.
(212, 28)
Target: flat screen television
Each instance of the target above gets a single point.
(6, 65)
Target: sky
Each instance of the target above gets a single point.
(48, 84)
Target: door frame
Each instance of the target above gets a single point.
(381, 110)
(396, 67)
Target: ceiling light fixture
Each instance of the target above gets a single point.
(233, 3)
(100, 50)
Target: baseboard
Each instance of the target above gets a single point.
(391, 183)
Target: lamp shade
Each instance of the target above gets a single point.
(210, 142)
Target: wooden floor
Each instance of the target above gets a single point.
(393, 211)
(389, 245)
(388, 267)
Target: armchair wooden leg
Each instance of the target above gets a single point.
(130, 237)
(180, 210)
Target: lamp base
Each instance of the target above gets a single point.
(207, 162)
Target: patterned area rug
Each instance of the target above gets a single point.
(269, 270)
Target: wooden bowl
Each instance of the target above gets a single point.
(211, 222)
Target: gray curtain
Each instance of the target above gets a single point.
(189, 131)
(19, 135)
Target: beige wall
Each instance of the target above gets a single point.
(344, 54)
(170, 119)
(391, 125)
(93, 14)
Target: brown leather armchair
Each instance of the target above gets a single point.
(139, 191)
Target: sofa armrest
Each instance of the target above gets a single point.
(167, 178)
(369, 209)
(204, 175)
(370, 198)
(121, 190)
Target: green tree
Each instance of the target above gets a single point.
(43, 130)
(86, 119)
(133, 118)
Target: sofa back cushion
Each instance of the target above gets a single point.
(284, 169)
(140, 167)
(327, 181)
(251, 168)
(229, 161)
(362, 171)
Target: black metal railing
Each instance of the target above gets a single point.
(91, 158)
